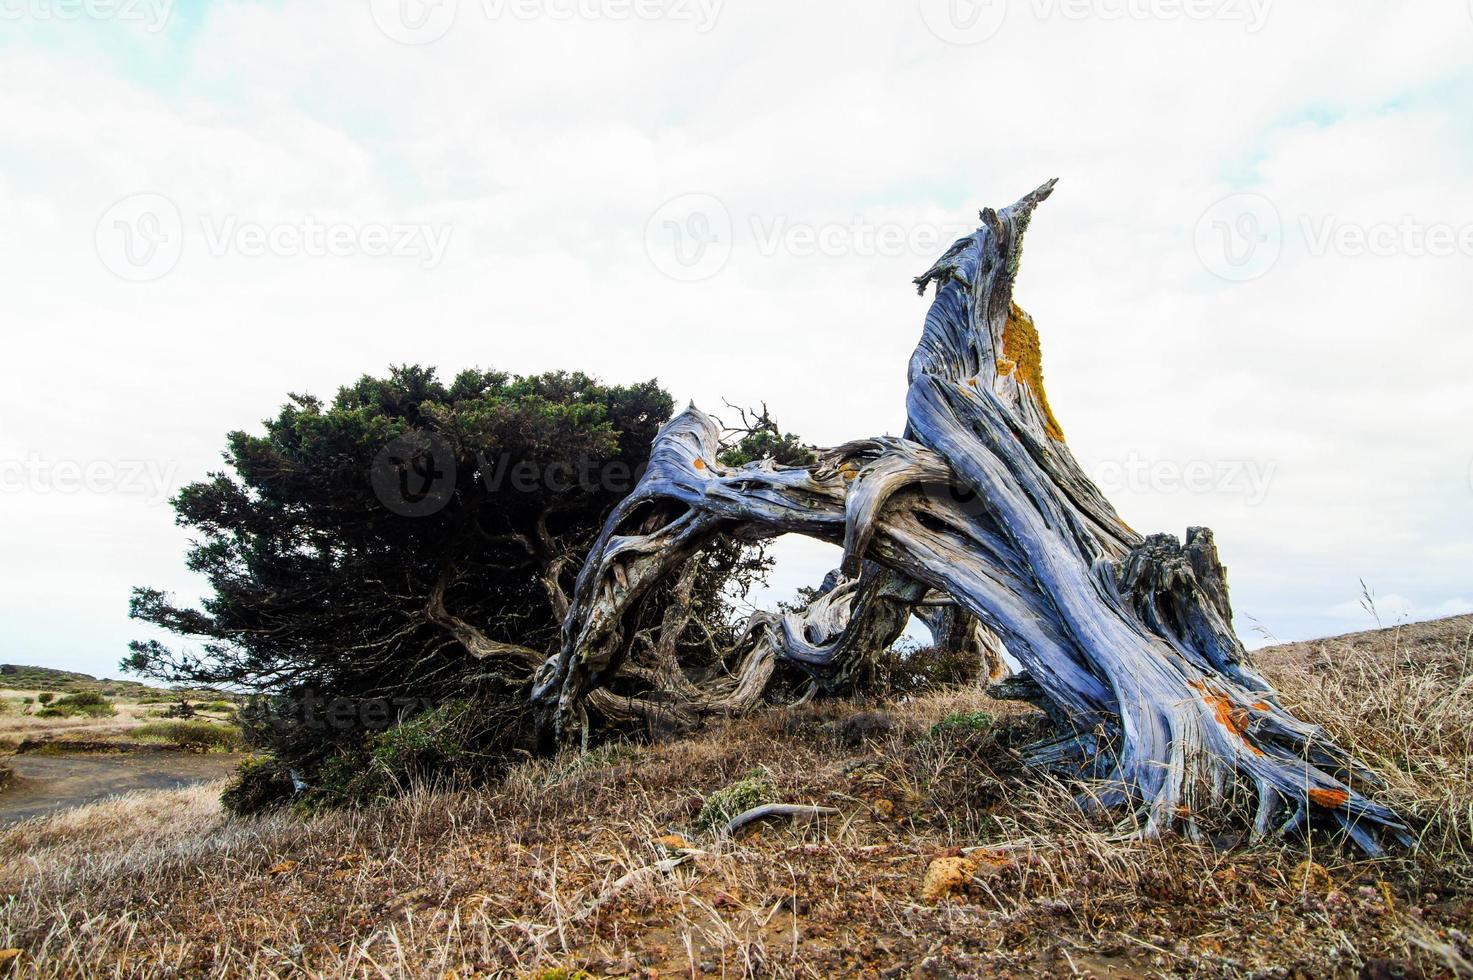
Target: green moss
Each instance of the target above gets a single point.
(971, 722)
(735, 799)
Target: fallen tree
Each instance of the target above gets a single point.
(980, 507)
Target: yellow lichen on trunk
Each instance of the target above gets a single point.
(1022, 357)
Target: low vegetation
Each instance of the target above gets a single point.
(50, 682)
(89, 704)
(612, 862)
(196, 736)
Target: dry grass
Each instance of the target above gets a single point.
(561, 865)
(16, 726)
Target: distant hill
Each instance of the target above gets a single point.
(29, 678)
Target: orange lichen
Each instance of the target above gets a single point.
(972, 382)
(1331, 798)
(1022, 358)
(1262, 706)
(1229, 715)
(700, 464)
(849, 471)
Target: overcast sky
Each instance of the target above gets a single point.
(1252, 284)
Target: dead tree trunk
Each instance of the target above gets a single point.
(1128, 638)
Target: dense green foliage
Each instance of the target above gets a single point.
(358, 552)
(386, 569)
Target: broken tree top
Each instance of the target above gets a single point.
(980, 508)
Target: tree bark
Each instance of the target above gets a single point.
(1128, 638)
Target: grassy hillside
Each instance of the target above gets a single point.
(22, 677)
(945, 859)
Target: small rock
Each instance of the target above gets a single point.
(1379, 969)
(946, 876)
(866, 725)
(1310, 877)
(726, 900)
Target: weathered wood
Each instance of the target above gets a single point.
(1128, 638)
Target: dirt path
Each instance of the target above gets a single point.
(44, 783)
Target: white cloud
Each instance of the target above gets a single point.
(547, 145)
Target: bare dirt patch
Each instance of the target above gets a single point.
(44, 783)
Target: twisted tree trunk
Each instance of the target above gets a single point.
(1127, 638)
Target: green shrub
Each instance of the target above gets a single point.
(733, 800)
(219, 707)
(965, 723)
(45, 697)
(907, 669)
(258, 786)
(432, 746)
(88, 704)
(196, 736)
